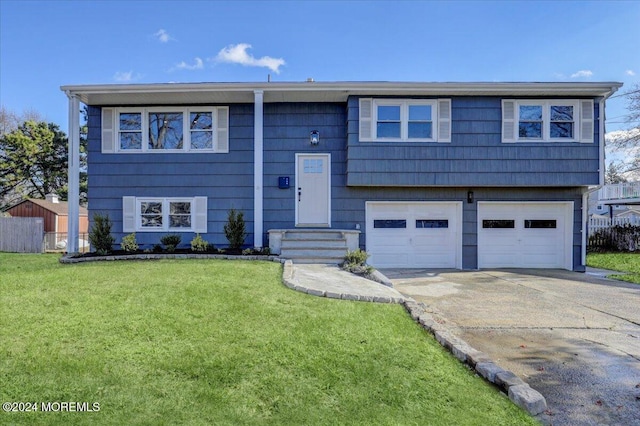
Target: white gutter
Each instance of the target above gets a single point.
(343, 89)
(258, 168)
(602, 166)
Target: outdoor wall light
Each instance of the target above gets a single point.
(470, 197)
(314, 137)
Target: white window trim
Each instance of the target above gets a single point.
(132, 214)
(165, 214)
(368, 125)
(512, 123)
(186, 129)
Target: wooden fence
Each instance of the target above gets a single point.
(21, 234)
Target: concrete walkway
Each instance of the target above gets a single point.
(573, 337)
(331, 281)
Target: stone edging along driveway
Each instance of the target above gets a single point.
(519, 392)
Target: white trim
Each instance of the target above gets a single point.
(601, 141)
(258, 168)
(310, 154)
(196, 204)
(204, 93)
(73, 218)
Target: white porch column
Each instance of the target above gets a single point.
(258, 158)
(74, 174)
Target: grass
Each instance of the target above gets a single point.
(623, 262)
(220, 342)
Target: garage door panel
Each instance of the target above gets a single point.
(430, 238)
(389, 260)
(538, 237)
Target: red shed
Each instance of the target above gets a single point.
(54, 212)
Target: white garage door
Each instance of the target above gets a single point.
(414, 234)
(525, 235)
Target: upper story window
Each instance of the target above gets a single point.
(175, 129)
(547, 120)
(405, 120)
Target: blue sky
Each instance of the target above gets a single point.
(46, 44)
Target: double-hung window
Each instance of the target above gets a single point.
(167, 214)
(405, 120)
(165, 129)
(547, 120)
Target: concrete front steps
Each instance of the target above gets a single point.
(327, 246)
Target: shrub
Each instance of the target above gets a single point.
(100, 235)
(264, 251)
(356, 261)
(616, 238)
(235, 230)
(199, 244)
(356, 257)
(157, 248)
(129, 243)
(171, 241)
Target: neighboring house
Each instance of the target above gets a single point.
(618, 199)
(429, 175)
(52, 210)
(630, 212)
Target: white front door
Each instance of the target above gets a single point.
(313, 190)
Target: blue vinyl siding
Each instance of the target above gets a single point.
(225, 179)
(474, 160)
(475, 155)
(348, 202)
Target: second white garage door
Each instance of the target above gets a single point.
(414, 234)
(525, 235)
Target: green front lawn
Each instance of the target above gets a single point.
(623, 262)
(220, 342)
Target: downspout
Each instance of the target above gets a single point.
(73, 197)
(258, 158)
(588, 192)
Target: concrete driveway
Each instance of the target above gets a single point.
(573, 337)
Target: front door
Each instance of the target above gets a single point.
(313, 190)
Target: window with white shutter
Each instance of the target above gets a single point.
(547, 120)
(164, 214)
(405, 120)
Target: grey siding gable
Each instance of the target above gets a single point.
(476, 154)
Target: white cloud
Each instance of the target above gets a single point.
(582, 73)
(197, 65)
(123, 76)
(163, 36)
(630, 72)
(237, 54)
